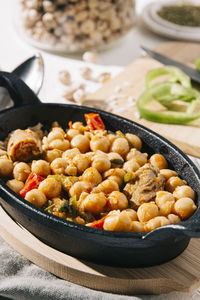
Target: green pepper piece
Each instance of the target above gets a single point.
(64, 207)
(73, 206)
(176, 75)
(197, 63)
(169, 117)
(128, 177)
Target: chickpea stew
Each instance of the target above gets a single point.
(90, 176)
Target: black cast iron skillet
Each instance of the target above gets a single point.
(115, 248)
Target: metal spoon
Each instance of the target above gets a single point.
(31, 72)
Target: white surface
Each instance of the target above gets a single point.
(165, 28)
(13, 51)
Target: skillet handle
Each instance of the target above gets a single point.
(19, 92)
(189, 230)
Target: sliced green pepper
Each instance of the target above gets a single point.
(197, 63)
(173, 90)
(176, 75)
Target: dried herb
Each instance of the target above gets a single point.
(182, 14)
(69, 206)
(117, 161)
(49, 207)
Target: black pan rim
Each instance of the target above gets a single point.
(84, 228)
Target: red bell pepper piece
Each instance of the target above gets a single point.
(32, 182)
(70, 125)
(94, 121)
(98, 223)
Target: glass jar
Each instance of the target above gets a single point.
(75, 25)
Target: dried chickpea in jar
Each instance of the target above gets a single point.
(74, 26)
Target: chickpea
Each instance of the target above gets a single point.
(116, 175)
(36, 197)
(121, 146)
(50, 187)
(92, 175)
(101, 163)
(6, 167)
(62, 145)
(90, 155)
(82, 162)
(173, 218)
(140, 158)
(132, 214)
(107, 186)
(81, 142)
(57, 133)
(94, 203)
(58, 166)
(158, 161)
(21, 171)
(79, 126)
(71, 133)
(99, 153)
(111, 137)
(167, 173)
(184, 207)
(88, 134)
(155, 223)
(71, 170)
(15, 185)
(3, 152)
(41, 167)
(80, 187)
(117, 200)
(99, 143)
(79, 220)
(50, 155)
(71, 153)
(131, 166)
(134, 140)
(173, 182)
(184, 191)
(165, 202)
(118, 222)
(137, 226)
(147, 211)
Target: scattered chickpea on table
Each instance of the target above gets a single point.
(90, 176)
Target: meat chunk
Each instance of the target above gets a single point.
(148, 182)
(24, 145)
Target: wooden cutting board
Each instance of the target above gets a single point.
(180, 274)
(132, 79)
